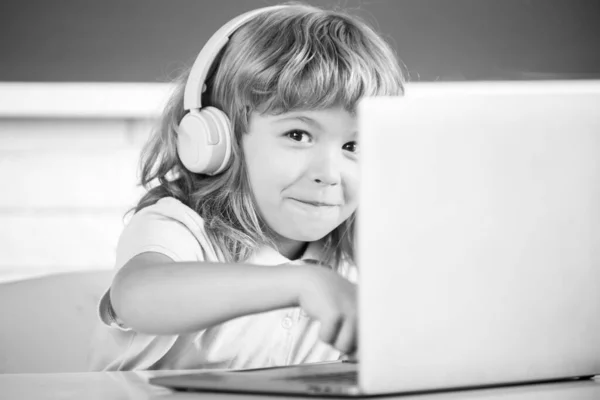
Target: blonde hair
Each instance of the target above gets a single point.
(297, 57)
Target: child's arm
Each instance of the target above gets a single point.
(153, 294)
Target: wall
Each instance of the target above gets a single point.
(68, 175)
(150, 40)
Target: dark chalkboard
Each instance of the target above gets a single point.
(150, 40)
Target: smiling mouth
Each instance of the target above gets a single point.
(315, 203)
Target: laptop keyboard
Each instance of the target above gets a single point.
(333, 377)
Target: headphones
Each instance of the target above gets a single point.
(204, 135)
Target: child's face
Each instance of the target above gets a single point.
(303, 170)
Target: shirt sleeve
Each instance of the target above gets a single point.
(160, 232)
(154, 229)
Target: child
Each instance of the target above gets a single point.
(241, 256)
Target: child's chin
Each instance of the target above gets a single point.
(311, 234)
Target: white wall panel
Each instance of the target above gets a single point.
(64, 178)
(65, 186)
(57, 239)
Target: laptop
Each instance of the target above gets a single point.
(478, 245)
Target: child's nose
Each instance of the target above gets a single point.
(326, 168)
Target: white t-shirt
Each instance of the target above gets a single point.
(281, 337)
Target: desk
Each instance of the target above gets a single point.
(134, 385)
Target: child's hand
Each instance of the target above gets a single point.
(330, 299)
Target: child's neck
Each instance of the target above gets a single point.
(291, 249)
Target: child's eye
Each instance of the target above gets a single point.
(351, 147)
(298, 136)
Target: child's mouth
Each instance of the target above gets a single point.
(315, 203)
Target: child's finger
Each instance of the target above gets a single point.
(351, 357)
(346, 339)
(329, 330)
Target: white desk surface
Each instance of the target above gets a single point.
(134, 385)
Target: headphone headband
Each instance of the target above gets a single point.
(195, 84)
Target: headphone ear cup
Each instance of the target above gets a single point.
(204, 141)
